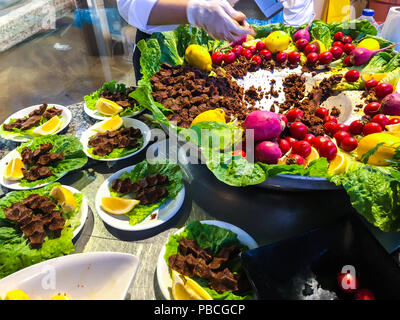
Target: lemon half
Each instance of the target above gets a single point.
(13, 170)
(117, 205)
(64, 197)
(184, 288)
(49, 127)
(384, 153)
(108, 107)
(112, 124)
(338, 164)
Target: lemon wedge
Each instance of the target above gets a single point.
(64, 197)
(16, 295)
(112, 124)
(314, 155)
(61, 297)
(217, 115)
(117, 205)
(49, 127)
(393, 128)
(338, 164)
(376, 76)
(13, 170)
(184, 288)
(250, 43)
(108, 107)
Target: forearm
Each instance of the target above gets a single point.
(166, 12)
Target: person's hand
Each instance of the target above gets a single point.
(219, 19)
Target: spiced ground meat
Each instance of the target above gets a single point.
(120, 97)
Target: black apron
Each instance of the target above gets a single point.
(140, 35)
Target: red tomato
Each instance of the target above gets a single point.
(336, 51)
(348, 48)
(283, 118)
(370, 84)
(356, 127)
(340, 136)
(257, 60)
(321, 112)
(312, 58)
(341, 127)
(297, 159)
(364, 294)
(294, 114)
(372, 108)
(325, 57)
(237, 50)
(371, 127)
(338, 44)
(338, 36)
(291, 141)
(281, 57)
(302, 148)
(347, 39)
(383, 89)
(349, 144)
(294, 57)
(239, 153)
(318, 141)
(309, 138)
(266, 54)
(260, 45)
(301, 44)
(284, 145)
(229, 57)
(252, 49)
(310, 48)
(298, 130)
(329, 127)
(247, 53)
(352, 75)
(217, 57)
(381, 119)
(347, 61)
(328, 150)
(330, 118)
(394, 121)
(347, 282)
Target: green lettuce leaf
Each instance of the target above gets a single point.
(316, 168)
(356, 29)
(18, 132)
(319, 30)
(392, 77)
(75, 158)
(263, 31)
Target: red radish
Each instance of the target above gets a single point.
(302, 148)
(349, 144)
(330, 118)
(291, 141)
(229, 57)
(217, 57)
(260, 45)
(266, 54)
(303, 33)
(348, 48)
(247, 53)
(266, 125)
(325, 57)
(237, 50)
(295, 159)
(381, 119)
(267, 152)
(310, 48)
(309, 138)
(312, 58)
(355, 127)
(352, 75)
(338, 44)
(347, 61)
(364, 294)
(238, 42)
(294, 57)
(301, 44)
(328, 150)
(336, 52)
(338, 36)
(340, 135)
(257, 60)
(283, 118)
(329, 127)
(318, 141)
(281, 57)
(371, 83)
(372, 108)
(371, 127)
(284, 145)
(360, 56)
(294, 114)
(383, 89)
(347, 39)
(298, 130)
(394, 121)
(239, 153)
(321, 112)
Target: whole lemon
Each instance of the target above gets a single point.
(216, 115)
(370, 44)
(383, 153)
(277, 41)
(198, 56)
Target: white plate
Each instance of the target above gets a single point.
(121, 222)
(163, 274)
(83, 212)
(15, 185)
(83, 276)
(98, 116)
(66, 119)
(128, 122)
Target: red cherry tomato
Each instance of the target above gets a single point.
(291, 141)
(284, 145)
(349, 144)
(330, 119)
(239, 153)
(252, 49)
(312, 58)
(348, 48)
(266, 54)
(294, 57)
(281, 57)
(301, 44)
(336, 51)
(338, 44)
(352, 75)
(372, 108)
(310, 48)
(347, 61)
(328, 150)
(383, 89)
(364, 294)
(371, 83)
(247, 54)
(347, 282)
(329, 127)
(381, 119)
(325, 57)
(356, 127)
(217, 57)
(371, 127)
(298, 130)
(229, 57)
(257, 60)
(309, 138)
(260, 45)
(302, 148)
(283, 118)
(340, 136)
(341, 127)
(394, 121)
(237, 50)
(318, 141)
(347, 39)
(338, 36)
(293, 114)
(296, 159)
(321, 112)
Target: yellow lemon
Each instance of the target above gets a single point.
(49, 127)
(249, 37)
(112, 124)
(16, 295)
(338, 164)
(277, 41)
(61, 297)
(282, 160)
(13, 169)
(370, 44)
(108, 107)
(216, 115)
(320, 46)
(376, 76)
(64, 197)
(250, 43)
(393, 128)
(184, 288)
(314, 155)
(383, 153)
(198, 56)
(117, 205)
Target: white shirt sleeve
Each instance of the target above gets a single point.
(297, 12)
(137, 12)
